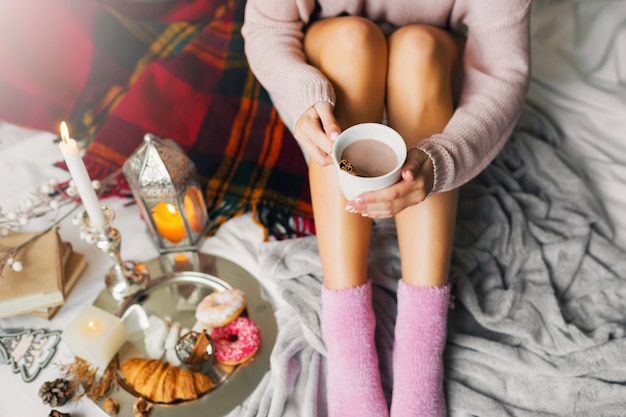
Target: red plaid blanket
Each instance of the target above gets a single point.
(119, 69)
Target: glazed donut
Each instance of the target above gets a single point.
(220, 308)
(236, 342)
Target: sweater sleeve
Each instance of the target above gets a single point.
(495, 82)
(273, 34)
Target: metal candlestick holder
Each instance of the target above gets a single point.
(125, 277)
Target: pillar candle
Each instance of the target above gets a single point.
(81, 178)
(95, 336)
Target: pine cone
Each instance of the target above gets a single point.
(55, 413)
(56, 393)
(111, 406)
(142, 408)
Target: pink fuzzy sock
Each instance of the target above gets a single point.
(352, 378)
(420, 338)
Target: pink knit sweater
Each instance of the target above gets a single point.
(495, 80)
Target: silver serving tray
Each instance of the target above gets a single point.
(174, 290)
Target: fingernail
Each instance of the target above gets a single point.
(359, 200)
(334, 136)
(350, 208)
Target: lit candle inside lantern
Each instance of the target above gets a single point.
(169, 222)
(80, 177)
(95, 336)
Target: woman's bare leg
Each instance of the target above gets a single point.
(420, 103)
(351, 52)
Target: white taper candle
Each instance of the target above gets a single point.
(79, 174)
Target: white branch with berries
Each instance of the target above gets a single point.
(47, 202)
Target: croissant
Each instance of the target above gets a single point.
(161, 382)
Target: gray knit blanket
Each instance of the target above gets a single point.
(539, 312)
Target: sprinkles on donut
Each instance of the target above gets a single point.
(236, 342)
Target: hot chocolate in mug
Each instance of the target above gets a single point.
(368, 157)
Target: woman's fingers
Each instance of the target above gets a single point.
(388, 201)
(329, 123)
(415, 184)
(311, 132)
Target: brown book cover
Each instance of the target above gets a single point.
(40, 283)
(75, 265)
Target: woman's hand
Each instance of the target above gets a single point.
(416, 183)
(316, 130)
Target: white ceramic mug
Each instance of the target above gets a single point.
(353, 185)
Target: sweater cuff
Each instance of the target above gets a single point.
(443, 165)
(299, 103)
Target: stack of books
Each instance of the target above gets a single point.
(51, 268)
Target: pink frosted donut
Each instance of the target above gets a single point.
(220, 308)
(237, 341)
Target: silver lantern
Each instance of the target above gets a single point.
(165, 185)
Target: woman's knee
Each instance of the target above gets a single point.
(424, 48)
(349, 39)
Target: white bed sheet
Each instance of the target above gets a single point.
(579, 80)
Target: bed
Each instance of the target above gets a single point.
(538, 319)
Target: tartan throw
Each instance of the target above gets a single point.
(175, 69)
